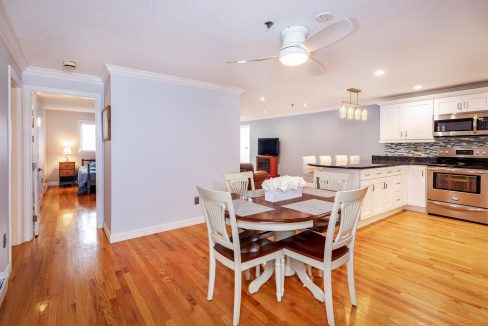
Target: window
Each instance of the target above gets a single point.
(87, 136)
(245, 143)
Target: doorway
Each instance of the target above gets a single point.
(38, 103)
(64, 147)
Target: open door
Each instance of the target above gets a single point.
(36, 172)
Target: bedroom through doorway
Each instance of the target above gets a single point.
(64, 152)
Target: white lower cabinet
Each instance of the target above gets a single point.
(393, 187)
(417, 185)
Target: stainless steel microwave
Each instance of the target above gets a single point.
(461, 124)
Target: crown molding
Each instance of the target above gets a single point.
(51, 73)
(129, 72)
(11, 41)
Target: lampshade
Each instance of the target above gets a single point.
(293, 56)
(350, 113)
(343, 111)
(357, 113)
(364, 114)
(67, 151)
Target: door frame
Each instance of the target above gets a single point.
(28, 94)
(13, 75)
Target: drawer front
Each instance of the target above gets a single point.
(398, 198)
(372, 174)
(67, 166)
(398, 170)
(66, 173)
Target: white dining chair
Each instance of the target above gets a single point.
(331, 251)
(238, 183)
(331, 181)
(341, 159)
(325, 159)
(235, 252)
(354, 159)
(307, 169)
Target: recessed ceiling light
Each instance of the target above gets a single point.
(262, 98)
(241, 61)
(417, 87)
(305, 105)
(265, 111)
(379, 72)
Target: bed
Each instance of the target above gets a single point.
(87, 176)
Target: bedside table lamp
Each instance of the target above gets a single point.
(67, 151)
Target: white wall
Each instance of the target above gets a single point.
(63, 130)
(6, 59)
(166, 139)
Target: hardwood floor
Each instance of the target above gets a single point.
(411, 269)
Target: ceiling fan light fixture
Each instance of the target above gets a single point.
(293, 56)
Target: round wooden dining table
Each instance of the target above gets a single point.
(283, 222)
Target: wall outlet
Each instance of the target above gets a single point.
(5, 240)
(196, 200)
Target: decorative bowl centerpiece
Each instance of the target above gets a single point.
(283, 188)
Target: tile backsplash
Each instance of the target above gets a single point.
(430, 149)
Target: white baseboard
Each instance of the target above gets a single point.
(380, 216)
(52, 183)
(153, 229)
(106, 231)
(416, 209)
(4, 288)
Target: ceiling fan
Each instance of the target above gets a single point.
(297, 47)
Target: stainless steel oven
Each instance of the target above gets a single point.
(457, 185)
(461, 124)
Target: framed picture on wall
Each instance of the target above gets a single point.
(106, 123)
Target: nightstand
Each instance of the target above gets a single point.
(66, 173)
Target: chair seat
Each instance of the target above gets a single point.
(252, 247)
(312, 245)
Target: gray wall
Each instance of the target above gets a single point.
(6, 59)
(318, 134)
(166, 139)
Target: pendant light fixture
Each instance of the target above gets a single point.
(353, 111)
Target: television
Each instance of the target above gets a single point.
(269, 146)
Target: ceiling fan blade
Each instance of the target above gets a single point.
(329, 35)
(254, 59)
(315, 67)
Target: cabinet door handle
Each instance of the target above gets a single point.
(422, 172)
(406, 133)
(401, 134)
(459, 107)
(373, 188)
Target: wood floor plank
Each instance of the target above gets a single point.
(411, 269)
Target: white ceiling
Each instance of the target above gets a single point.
(435, 43)
(66, 102)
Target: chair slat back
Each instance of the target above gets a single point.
(325, 159)
(349, 203)
(331, 181)
(354, 159)
(341, 159)
(306, 160)
(215, 203)
(238, 183)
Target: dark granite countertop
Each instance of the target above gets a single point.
(378, 161)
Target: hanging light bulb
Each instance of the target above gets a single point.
(350, 113)
(357, 113)
(364, 114)
(343, 111)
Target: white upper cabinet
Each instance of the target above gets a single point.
(418, 117)
(448, 105)
(407, 122)
(391, 128)
(457, 104)
(475, 102)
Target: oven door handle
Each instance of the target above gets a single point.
(459, 207)
(457, 171)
